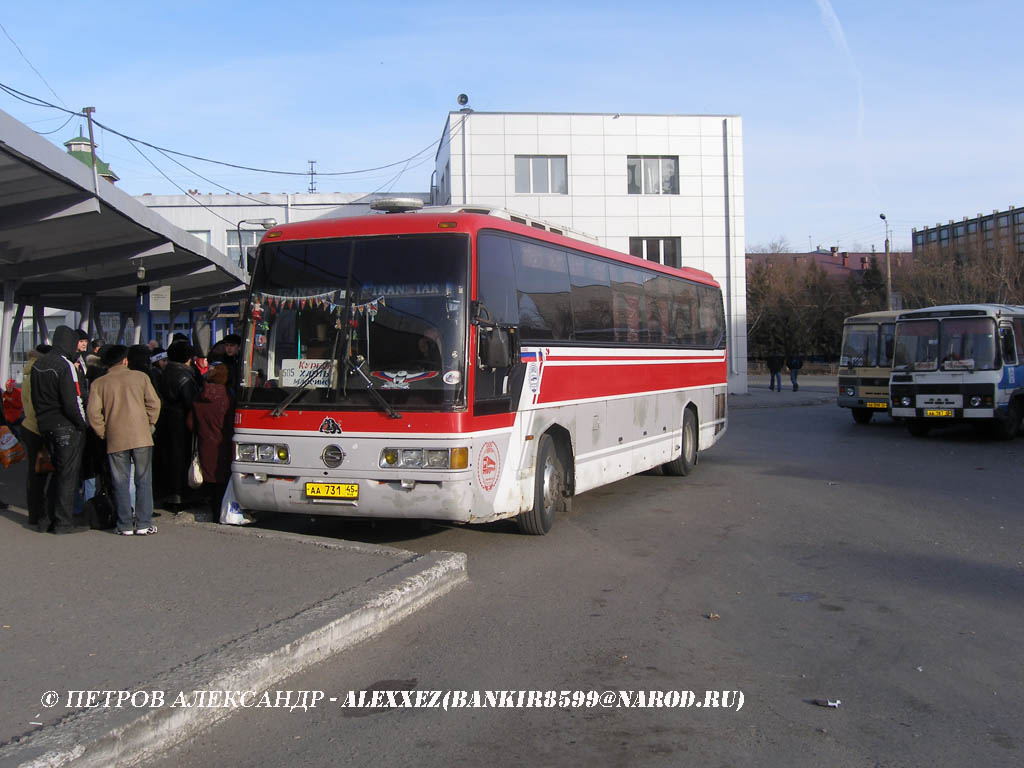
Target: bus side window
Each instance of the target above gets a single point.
(1018, 333)
(496, 283)
(1008, 345)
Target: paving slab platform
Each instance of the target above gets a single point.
(195, 607)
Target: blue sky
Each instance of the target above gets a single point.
(849, 108)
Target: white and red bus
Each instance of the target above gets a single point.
(458, 364)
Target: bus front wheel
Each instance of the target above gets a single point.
(688, 457)
(861, 415)
(1006, 429)
(549, 490)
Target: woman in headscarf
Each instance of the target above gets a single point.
(212, 421)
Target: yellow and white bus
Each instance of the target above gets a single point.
(865, 363)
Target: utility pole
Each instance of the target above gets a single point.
(92, 150)
(888, 263)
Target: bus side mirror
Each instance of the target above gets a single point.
(496, 347)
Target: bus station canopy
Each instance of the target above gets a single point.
(68, 237)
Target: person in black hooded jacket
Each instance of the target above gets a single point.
(57, 397)
(178, 388)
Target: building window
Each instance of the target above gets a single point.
(972, 227)
(1004, 222)
(986, 225)
(958, 230)
(943, 235)
(919, 239)
(250, 239)
(202, 234)
(542, 175)
(663, 250)
(933, 236)
(652, 175)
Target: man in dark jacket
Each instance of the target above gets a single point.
(225, 352)
(57, 392)
(795, 363)
(775, 372)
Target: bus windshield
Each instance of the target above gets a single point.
(958, 343)
(860, 346)
(867, 345)
(399, 303)
(917, 346)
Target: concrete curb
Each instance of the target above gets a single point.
(755, 401)
(127, 736)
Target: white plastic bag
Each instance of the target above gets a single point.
(230, 509)
(195, 473)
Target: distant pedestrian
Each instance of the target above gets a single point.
(775, 362)
(60, 413)
(795, 363)
(123, 410)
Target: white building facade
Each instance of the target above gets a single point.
(668, 188)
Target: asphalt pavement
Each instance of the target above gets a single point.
(197, 607)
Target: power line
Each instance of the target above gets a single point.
(184, 192)
(8, 34)
(36, 101)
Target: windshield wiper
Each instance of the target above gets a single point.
(376, 396)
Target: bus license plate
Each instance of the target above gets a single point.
(878, 405)
(332, 490)
(940, 412)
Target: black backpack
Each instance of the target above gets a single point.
(100, 512)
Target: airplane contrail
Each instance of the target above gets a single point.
(835, 30)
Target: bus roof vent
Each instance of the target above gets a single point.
(396, 204)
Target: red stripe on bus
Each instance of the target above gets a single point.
(566, 383)
(365, 421)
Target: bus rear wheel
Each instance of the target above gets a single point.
(861, 415)
(549, 490)
(688, 457)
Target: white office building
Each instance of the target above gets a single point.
(663, 187)
(668, 188)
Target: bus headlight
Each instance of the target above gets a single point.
(975, 401)
(850, 391)
(905, 402)
(262, 453)
(424, 458)
(437, 459)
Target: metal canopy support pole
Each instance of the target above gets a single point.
(95, 326)
(83, 319)
(123, 316)
(39, 317)
(19, 315)
(6, 330)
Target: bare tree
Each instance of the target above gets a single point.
(778, 245)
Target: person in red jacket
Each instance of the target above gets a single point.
(12, 405)
(212, 422)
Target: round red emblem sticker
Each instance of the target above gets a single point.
(488, 466)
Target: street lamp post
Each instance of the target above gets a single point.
(265, 223)
(888, 263)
